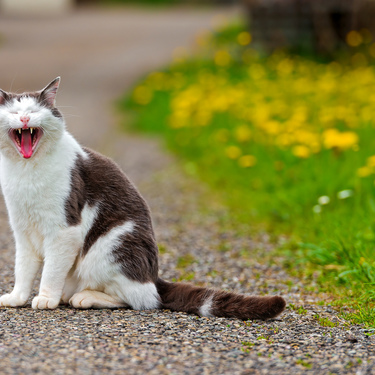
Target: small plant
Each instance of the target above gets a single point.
(325, 322)
(162, 248)
(185, 261)
(298, 309)
(188, 276)
(301, 311)
(303, 363)
(247, 343)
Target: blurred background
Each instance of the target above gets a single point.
(269, 102)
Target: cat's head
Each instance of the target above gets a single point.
(30, 123)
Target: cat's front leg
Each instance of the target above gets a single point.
(26, 268)
(60, 253)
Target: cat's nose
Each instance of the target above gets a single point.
(25, 120)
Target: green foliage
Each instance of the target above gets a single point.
(303, 363)
(325, 322)
(297, 309)
(185, 261)
(286, 142)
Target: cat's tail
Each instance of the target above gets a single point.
(210, 302)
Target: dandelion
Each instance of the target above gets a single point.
(233, 152)
(343, 140)
(364, 171)
(301, 151)
(354, 38)
(247, 161)
(222, 58)
(142, 95)
(344, 194)
(285, 67)
(257, 71)
(243, 133)
(323, 200)
(244, 38)
(371, 161)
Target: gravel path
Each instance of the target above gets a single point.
(307, 338)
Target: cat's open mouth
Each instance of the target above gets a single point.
(26, 140)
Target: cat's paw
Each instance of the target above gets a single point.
(43, 302)
(12, 300)
(81, 301)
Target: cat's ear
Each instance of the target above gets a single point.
(3, 96)
(48, 94)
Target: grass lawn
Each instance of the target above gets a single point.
(286, 142)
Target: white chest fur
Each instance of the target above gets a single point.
(35, 191)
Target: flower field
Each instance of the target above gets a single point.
(287, 142)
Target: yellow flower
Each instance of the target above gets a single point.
(364, 171)
(142, 95)
(247, 161)
(233, 152)
(301, 151)
(243, 133)
(222, 58)
(343, 140)
(285, 67)
(257, 71)
(244, 38)
(354, 38)
(371, 161)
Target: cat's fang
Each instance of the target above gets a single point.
(26, 140)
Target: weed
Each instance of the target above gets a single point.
(185, 261)
(162, 249)
(303, 363)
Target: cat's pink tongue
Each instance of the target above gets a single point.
(26, 144)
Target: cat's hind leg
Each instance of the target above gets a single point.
(92, 299)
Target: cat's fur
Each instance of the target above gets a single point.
(74, 213)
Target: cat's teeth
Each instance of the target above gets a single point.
(31, 130)
(19, 131)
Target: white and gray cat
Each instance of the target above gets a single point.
(74, 213)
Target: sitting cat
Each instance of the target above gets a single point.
(75, 213)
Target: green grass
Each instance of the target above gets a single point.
(286, 143)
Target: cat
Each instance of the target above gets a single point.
(75, 213)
